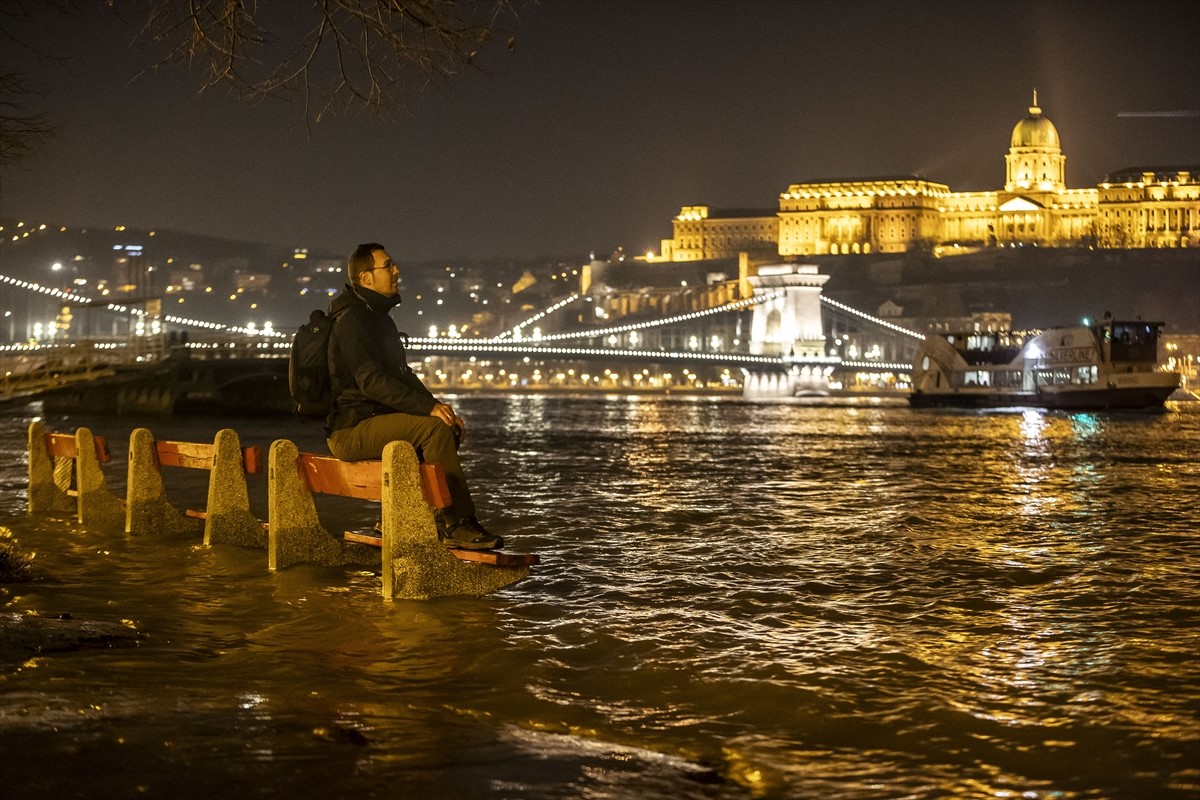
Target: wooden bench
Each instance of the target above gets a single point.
(198, 455)
(65, 476)
(415, 564)
(148, 511)
(364, 480)
(63, 445)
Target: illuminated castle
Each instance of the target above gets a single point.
(1136, 207)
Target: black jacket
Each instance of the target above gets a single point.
(368, 368)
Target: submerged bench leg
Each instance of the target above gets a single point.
(46, 492)
(147, 510)
(295, 534)
(98, 507)
(227, 517)
(416, 566)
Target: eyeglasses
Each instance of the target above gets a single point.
(389, 266)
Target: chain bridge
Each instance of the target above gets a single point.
(771, 334)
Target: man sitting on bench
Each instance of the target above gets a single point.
(379, 399)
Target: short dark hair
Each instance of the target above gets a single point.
(362, 260)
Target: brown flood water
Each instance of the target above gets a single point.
(736, 600)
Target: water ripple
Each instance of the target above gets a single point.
(735, 600)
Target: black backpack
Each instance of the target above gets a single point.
(308, 367)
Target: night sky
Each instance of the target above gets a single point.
(608, 117)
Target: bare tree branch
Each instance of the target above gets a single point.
(21, 131)
(330, 56)
(333, 56)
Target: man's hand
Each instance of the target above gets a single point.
(446, 414)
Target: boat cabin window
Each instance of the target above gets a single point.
(1134, 341)
(1059, 376)
(1052, 377)
(1007, 378)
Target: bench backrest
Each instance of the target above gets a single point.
(200, 456)
(364, 479)
(62, 445)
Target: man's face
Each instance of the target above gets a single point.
(384, 277)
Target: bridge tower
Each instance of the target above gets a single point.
(789, 326)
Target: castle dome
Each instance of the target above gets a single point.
(1035, 130)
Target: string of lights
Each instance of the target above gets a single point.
(84, 300)
(487, 346)
(545, 313)
(734, 306)
(875, 366)
(69, 296)
(870, 318)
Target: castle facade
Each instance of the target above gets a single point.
(1132, 208)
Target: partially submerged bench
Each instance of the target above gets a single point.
(415, 564)
(226, 518)
(65, 476)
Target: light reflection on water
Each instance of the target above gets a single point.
(736, 600)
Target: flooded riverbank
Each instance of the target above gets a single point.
(735, 600)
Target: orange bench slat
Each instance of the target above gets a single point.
(434, 485)
(62, 445)
(328, 475)
(494, 557)
(200, 456)
(364, 479)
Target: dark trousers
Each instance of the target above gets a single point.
(432, 439)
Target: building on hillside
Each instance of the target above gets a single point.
(1132, 208)
(703, 233)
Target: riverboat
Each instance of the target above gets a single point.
(1112, 365)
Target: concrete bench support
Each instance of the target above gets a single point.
(48, 485)
(416, 566)
(295, 534)
(98, 507)
(147, 510)
(228, 519)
